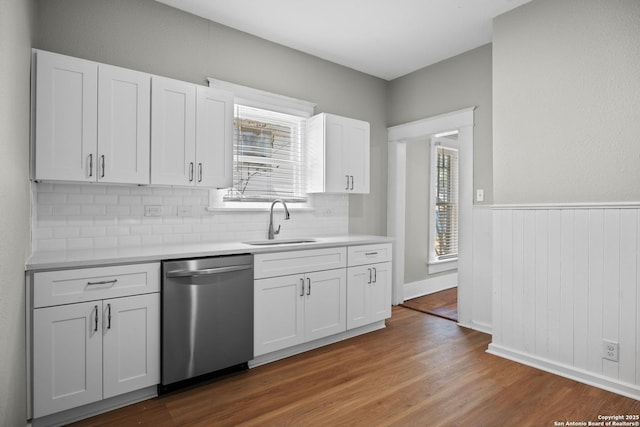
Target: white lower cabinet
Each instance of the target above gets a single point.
(291, 310)
(368, 294)
(369, 284)
(91, 350)
(299, 296)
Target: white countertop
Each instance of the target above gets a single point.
(47, 260)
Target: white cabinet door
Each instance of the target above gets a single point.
(131, 345)
(279, 313)
(67, 357)
(325, 303)
(355, 154)
(380, 292)
(368, 294)
(338, 151)
(173, 143)
(124, 103)
(214, 138)
(65, 118)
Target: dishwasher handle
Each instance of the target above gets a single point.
(207, 271)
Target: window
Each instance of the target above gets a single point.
(444, 199)
(268, 153)
(268, 157)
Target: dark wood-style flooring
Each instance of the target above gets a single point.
(443, 304)
(419, 371)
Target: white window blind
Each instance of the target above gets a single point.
(268, 155)
(444, 203)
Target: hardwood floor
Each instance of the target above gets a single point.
(443, 304)
(419, 371)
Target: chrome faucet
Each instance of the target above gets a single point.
(272, 232)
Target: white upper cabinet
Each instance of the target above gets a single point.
(214, 137)
(91, 121)
(124, 103)
(337, 154)
(173, 138)
(65, 118)
(191, 134)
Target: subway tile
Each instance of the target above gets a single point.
(81, 243)
(105, 242)
(51, 244)
(106, 199)
(80, 199)
(92, 210)
(151, 240)
(93, 231)
(129, 241)
(66, 210)
(129, 200)
(66, 232)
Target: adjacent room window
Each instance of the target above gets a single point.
(268, 157)
(444, 200)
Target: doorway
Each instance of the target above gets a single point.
(423, 130)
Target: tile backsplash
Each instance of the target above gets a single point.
(87, 216)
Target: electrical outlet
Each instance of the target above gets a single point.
(480, 195)
(153, 210)
(610, 350)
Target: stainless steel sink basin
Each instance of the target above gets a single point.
(279, 242)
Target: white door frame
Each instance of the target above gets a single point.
(461, 120)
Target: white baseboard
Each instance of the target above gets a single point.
(430, 286)
(596, 380)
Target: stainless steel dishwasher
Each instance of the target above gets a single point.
(207, 316)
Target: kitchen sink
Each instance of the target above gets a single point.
(279, 242)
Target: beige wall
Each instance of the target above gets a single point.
(450, 85)
(566, 97)
(148, 36)
(15, 56)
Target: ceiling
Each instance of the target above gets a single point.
(384, 38)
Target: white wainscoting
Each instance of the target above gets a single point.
(565, 278)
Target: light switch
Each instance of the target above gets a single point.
(479, 195)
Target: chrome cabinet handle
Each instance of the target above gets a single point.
(90, 165)
(370, 253)
(308, 286)
(103, 282)
(108, 316)
(375, 275)
(301, 287)
(369, 282)
(351, 182)
(102, 167)
(190, 171)
(95, 329)
(199, 172)
(347, 187)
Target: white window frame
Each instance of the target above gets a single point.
(257, 98)
(436, 265)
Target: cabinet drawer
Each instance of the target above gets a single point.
(284, 263)
(369, 254)
(87, 284)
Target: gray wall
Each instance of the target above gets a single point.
(453, 84)
(566, 97)
(148, 36)
(15, 56)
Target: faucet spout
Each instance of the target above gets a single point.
(271, 234)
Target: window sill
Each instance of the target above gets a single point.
(257, 208)
(442, 266)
